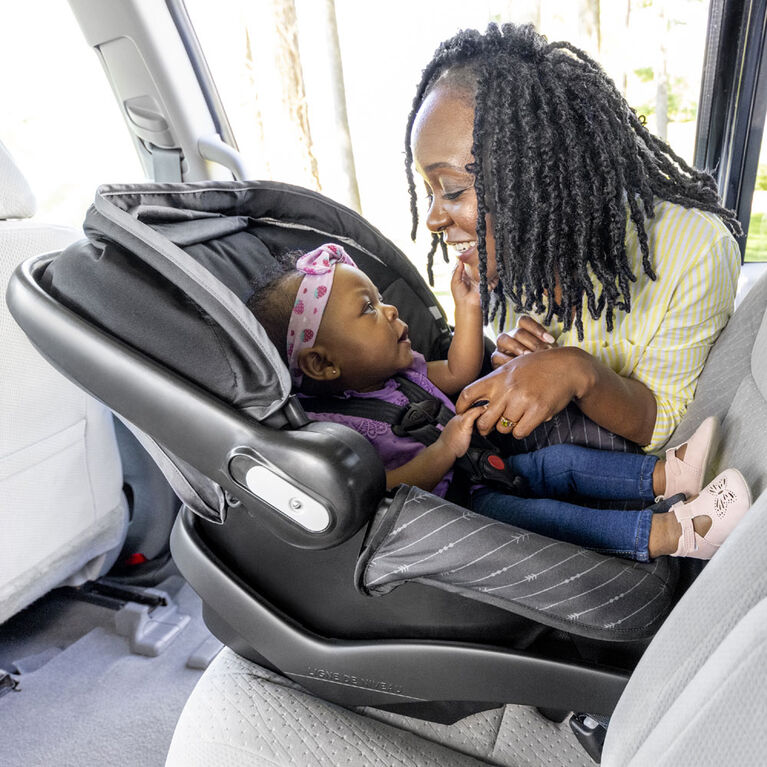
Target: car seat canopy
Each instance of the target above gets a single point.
(169, 266)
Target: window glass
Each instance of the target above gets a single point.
(652, 49)
(60, 120)
(756, 244)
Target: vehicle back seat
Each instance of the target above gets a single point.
(62, 510)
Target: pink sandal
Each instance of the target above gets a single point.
(687, 476)
(725, 500)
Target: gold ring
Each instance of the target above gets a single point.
(505, 422)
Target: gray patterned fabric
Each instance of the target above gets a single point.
(704, 671)
(423, 538)
(698, 696)
(242, 714)
(733, 387)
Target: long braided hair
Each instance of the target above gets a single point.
(561, 162)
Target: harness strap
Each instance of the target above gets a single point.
(414, 420)
(419, 420)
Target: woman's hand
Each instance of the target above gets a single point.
(528, 336)
(528, 390)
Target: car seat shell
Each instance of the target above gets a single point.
(263, 556)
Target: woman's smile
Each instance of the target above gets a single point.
(464, 251)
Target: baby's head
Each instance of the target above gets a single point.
(330, 326)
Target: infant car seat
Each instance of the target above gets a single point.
(286, 529)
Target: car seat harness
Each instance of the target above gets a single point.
(420, 420)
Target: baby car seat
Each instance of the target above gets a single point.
(286, 530)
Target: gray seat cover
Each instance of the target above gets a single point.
(426, 539)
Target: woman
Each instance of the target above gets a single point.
(612, 259)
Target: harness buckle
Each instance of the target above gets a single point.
(417, 415)
(487, 467)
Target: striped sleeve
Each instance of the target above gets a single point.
(673, 358)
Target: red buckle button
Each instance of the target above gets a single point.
(496, 462)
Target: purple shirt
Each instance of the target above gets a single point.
(394, 451)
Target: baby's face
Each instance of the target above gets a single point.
(366, 339)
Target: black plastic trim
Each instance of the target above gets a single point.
(733, 101)
(198, 428)
(378, 672)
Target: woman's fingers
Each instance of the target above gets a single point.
(469, 418)
(506, 424)
(528, 336)
(497, 359)
(491, 415)
(520, 342)
(530, 419)
(510, 345)
(526, 391)
(534, 328)
(489, 388)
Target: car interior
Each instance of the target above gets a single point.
(196, 573)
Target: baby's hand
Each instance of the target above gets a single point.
(463, 290)
(456, 436)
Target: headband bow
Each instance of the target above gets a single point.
(318, 267)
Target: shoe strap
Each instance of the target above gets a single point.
(687, 542)
(673, 464)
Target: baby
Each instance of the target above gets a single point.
(340, 340)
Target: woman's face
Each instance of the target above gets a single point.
(442, 138)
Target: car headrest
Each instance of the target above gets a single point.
(16, 198)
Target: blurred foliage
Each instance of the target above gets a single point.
(761, 178)
(645, 74)
(756, 244)
(681, 107)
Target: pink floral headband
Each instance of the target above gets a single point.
(319, 267)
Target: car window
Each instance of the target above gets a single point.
(756, 244)
(289, 130)
(57, 89)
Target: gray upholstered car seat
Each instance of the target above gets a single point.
(697, 697)
(61, 503)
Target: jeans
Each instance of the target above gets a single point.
(561, 471)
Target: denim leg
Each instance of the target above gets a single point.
(609, 531)
(560, 471)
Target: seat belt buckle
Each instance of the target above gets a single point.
(590, 734)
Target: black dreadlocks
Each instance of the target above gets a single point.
(560, 162)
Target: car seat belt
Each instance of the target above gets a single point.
(419, 420)
(166, 164)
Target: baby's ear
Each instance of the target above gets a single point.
(315, 364)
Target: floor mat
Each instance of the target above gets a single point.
(96, 704)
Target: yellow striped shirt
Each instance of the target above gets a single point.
(665, 339)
